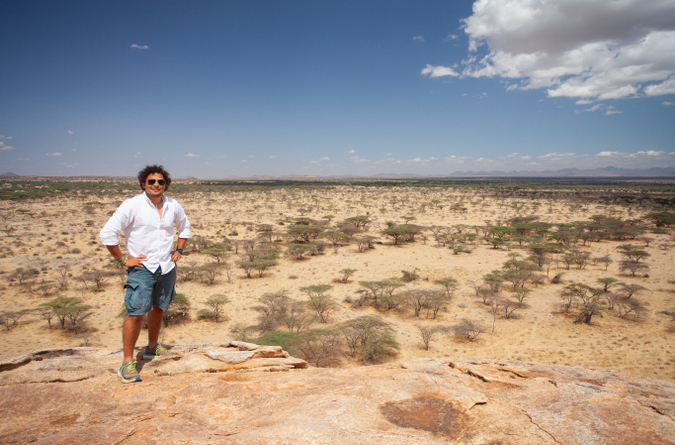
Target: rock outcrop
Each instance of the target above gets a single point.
(226, 393)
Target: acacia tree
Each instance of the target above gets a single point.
(216, 306)
(633, 267)
(321, 347)
(209, 274)
(258, 260)
(586, 299)
(10, 318)
(346, 273)
(606, 260)
(70, 311)
(364, 242)
(417, 299)
(336, 238)
(76, 315)
(570, 293)
(540, 252)
(299, 250)
(60, 307)
(217, 251)
(578, 257)
(274, 305)
(607, 282)
(632, 253)
(403, 232)
(21, 275)
(661, 219)
(366, 333)
(469, 330)
(427, 333)
(305, 232)
(449, 283)
(297, 319)
(496, 242)
(47, 313)
(494, 280)
(517, 277)
(99, 278)
(589, 305)
(322, 303)
(510, 306)
(632, 289)
(436, 302)
(360, 221)
(242, 332)
(629, 306)
(383, 293)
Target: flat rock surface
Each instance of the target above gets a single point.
(230, 393)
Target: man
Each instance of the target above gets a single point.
(148, 222)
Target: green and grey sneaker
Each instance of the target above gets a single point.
(157, 351)
(128, 373)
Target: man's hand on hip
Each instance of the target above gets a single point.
(132, 262)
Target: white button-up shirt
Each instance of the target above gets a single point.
(145, 233)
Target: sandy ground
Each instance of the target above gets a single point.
(48, 231)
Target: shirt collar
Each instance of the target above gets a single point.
(164, 199)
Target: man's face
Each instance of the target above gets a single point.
(152, 186)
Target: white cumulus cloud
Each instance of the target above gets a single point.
(56, 153)
(191, 155)
(609, 109)
(4, 147)
(588, 49)
(439, 71)
(140, 46)
(650, 153)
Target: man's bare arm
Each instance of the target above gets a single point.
(176, 255)
(116, 252)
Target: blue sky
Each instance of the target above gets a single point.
(247, 88)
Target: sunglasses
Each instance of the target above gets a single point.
(159, 181)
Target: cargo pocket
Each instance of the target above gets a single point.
(134, 300)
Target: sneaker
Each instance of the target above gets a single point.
(128, 373)
(157, 351)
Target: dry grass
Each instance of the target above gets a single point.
(542, 333)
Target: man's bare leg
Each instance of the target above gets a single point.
(154, 325)
(130, 332)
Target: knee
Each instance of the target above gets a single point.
(134, 319)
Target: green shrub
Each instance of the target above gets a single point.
(287, 340)
(178, 311)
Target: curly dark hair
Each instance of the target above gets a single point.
(150, 169)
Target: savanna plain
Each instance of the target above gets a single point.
(351, 273)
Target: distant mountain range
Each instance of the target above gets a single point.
(606, 172)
